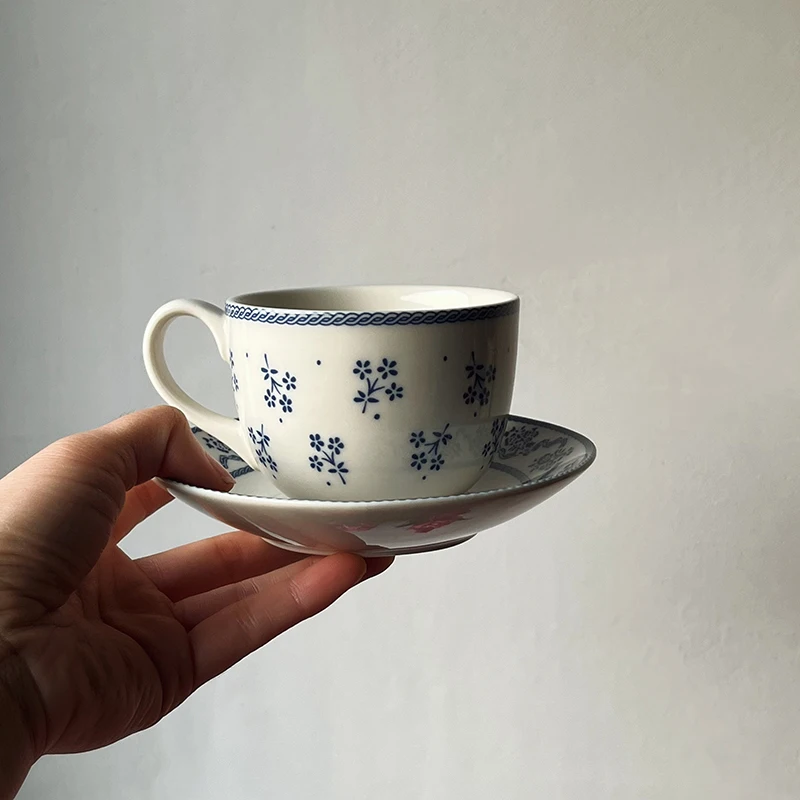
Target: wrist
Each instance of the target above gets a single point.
(18, 743)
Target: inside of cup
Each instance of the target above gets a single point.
(376, 298)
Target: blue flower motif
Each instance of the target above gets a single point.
(387, 368)
(259, 437)
(234, 379)
(361, 397)
(316, 442)
(394, 392)
(443, 436)
(262, 441)
(550, 460)
(267, 370)
(339, 469)
(498, 427)
(367, 395)
(473, 369)
(226, 455)
(277, 389)
(329, 452)
(362, 369)
(417, 439)
(519, 441)
(216, 444)
(428, 449)
(479, 377)
(267, 460)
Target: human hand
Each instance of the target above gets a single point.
(95, 646)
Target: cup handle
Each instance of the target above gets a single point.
(226, 429)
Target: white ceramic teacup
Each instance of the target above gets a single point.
(357, 393)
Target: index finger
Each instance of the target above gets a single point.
(59, 506)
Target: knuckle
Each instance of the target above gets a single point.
(249, 623)
(172, 416)
(246, 588)
(228, 552)
(83, 460)
(298, 597)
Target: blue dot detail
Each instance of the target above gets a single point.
(377, 416)
(318, 362)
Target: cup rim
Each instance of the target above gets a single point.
(371, 304)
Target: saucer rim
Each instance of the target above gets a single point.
(505, 491)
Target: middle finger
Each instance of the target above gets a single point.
(210, 563)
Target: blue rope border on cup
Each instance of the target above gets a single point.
(363, 318)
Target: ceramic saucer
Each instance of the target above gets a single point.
(534, 460)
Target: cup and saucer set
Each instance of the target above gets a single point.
(370, 419)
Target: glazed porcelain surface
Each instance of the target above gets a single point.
(533, 461)
(358, 393)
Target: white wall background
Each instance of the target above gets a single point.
(632, 169)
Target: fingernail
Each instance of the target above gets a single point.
(223, 474)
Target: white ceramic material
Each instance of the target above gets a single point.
(534, 460)
(357, 393)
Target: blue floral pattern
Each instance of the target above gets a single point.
(518, 441)
(479, 379)
(223, 453)
(261, 443)
(498, 428)
(234, 379)
(326, 455)
(526, 440)
(529, 452)
(558, 451)
(278, 387)
(377, 380)
(427, 455)
(553, 459)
